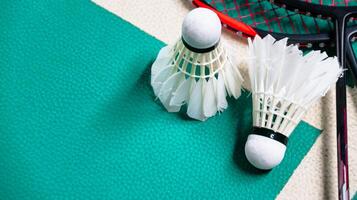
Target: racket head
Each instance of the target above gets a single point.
(250, 17)
(262, 17)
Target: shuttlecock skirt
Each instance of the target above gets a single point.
(180, 76)
(276, 113)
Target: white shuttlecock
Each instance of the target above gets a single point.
(197, 70)
(284, 84)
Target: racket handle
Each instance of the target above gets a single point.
(341, 114)
(227, 21)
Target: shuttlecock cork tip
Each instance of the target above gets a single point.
(201, 29)
(265, 150)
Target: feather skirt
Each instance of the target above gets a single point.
(200, 80)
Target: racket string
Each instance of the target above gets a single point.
(332, 2)
(263, 15)
(253, 13)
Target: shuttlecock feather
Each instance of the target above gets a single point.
(196, 70)
(284, 84)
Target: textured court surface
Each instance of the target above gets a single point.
(79, 120)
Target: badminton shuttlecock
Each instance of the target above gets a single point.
(284, 84)
(196, 70)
